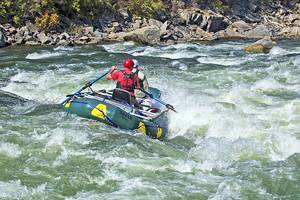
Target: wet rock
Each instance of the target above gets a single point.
(261, 46)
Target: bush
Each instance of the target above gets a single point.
(47, 21)
(146, 8)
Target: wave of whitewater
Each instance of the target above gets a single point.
(226, 104)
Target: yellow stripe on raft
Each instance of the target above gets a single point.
(142, 128)
(99, 111)
(67, 105)
(159, 133)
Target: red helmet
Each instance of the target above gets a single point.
(128, 63)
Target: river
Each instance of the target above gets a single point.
(236, 134)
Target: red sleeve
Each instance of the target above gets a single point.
(115, 75)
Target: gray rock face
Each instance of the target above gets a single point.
(258, 32)
(216, 23)
(2, 38)
(241, 26)
(149, 35)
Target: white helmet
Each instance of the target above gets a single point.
(136, 64)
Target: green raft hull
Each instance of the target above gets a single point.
(118, 115)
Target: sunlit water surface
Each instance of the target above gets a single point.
(236, 134)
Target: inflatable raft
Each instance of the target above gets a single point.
(116, 109)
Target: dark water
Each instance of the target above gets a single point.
(236, 135)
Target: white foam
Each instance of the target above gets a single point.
(222, 61)
(275, 51)
(118, 47)
(48, 86)
(11, 150)
(43, 55)
(16, 190)
(179, 65)
(63, 48)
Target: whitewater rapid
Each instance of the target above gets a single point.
(237, 112)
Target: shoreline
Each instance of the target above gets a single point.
(187, 25)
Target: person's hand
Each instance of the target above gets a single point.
(113, 68)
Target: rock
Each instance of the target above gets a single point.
(261, 46)
(164, 27)
(94, 40)
(293, 31)
(116, 27)
(19, 40)
(216, 23)
(296, 23)
(203, 35)
(11, 31)
(10, 40)
(125, 14)
(63, 42)
(154, 22)
(195, 18)
(136, 24)
(64, 36)
(162, 15)
(258, 32)
(168, 35)
(149, 35)
(292, 17)
(228, 34)
(32, 28)
(2, 38)
(241, 26)
(43, 38)
(88, 30)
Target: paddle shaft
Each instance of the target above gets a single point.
(86, 86)
(160, 101)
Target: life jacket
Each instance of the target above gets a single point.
(128, 82)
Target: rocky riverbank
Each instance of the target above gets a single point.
(183, 24)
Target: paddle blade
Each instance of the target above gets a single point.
(171, 107)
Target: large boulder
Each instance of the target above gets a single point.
(215, 23)
(2, 38)
(261, 46)
(259, 31)
(149, 35)
(240, 26)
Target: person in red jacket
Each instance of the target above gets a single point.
(125, 79)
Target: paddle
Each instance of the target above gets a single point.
(160, 101)
(89, 84)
